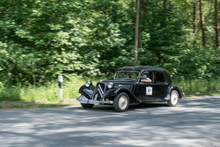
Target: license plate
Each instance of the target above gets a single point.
(87, 101)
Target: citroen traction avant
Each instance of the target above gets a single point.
(140, 84)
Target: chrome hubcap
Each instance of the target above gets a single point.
(123, 102)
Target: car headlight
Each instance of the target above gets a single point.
(110, 85)
(88, 84)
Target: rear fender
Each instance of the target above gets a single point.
(179, 89)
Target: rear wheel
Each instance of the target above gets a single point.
(87, 106)
(121, 102)
(174, 97)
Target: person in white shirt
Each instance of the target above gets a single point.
(144, 78)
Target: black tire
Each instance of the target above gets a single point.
(87, 106)
(174, 98)
(121, 102)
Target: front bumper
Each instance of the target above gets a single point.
(82, 99)
(183, 95)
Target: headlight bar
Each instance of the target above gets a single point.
(88, 84)
(110, 85)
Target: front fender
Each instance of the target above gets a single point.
(126, 90)
(88, 92)
(92, 87)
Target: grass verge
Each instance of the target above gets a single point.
(211, 93)
(22, 104)
(47, 95)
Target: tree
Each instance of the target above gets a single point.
(137, 29)
(216, 24)
(141, 13)
(195, 31)
(164, 4)
(202, 21)
(41, 39)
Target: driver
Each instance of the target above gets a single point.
(144, 78)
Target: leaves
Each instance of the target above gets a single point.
(42, 39)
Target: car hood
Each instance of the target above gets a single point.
(119, 81)
(129, 84)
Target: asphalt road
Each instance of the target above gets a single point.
(194, 122)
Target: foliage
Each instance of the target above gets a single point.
(42, 39)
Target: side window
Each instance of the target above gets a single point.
(147, 76)
(160, 77)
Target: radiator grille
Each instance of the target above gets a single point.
(99, 91)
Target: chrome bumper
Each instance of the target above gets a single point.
(82, 99)
(183, 95)
(167, 98)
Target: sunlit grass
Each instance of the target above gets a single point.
(18, 104)
(47, 95)
(204, 94)
(198, 85)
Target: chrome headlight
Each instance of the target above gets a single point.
(88, 84)
(110, 85)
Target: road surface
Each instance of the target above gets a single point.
(194, 122)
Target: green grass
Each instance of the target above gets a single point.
(204, 94)
(198, 85)
(11, 105)
(41, 96)
(47, 95)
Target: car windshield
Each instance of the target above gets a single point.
(127, 75)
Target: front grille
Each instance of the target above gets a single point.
(99, 91)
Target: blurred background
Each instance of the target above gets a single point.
(89, 39)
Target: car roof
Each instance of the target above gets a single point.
(140, 68)
(147, 68)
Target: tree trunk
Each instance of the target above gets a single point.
(143, 12)
(140, 23)
(164, 4)
(141, 9)
(216, 24)
(202, 20)
(137, 31)
(195, 30)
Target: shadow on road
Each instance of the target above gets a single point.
(213, 102)
(132, 107)
(194, 122)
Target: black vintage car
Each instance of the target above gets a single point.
(139, 84)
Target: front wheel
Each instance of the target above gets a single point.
(121, 102)
(87, 106)
(174, 97)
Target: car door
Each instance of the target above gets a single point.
(161, 86)
(145, 91)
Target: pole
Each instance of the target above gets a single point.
(60, 90)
